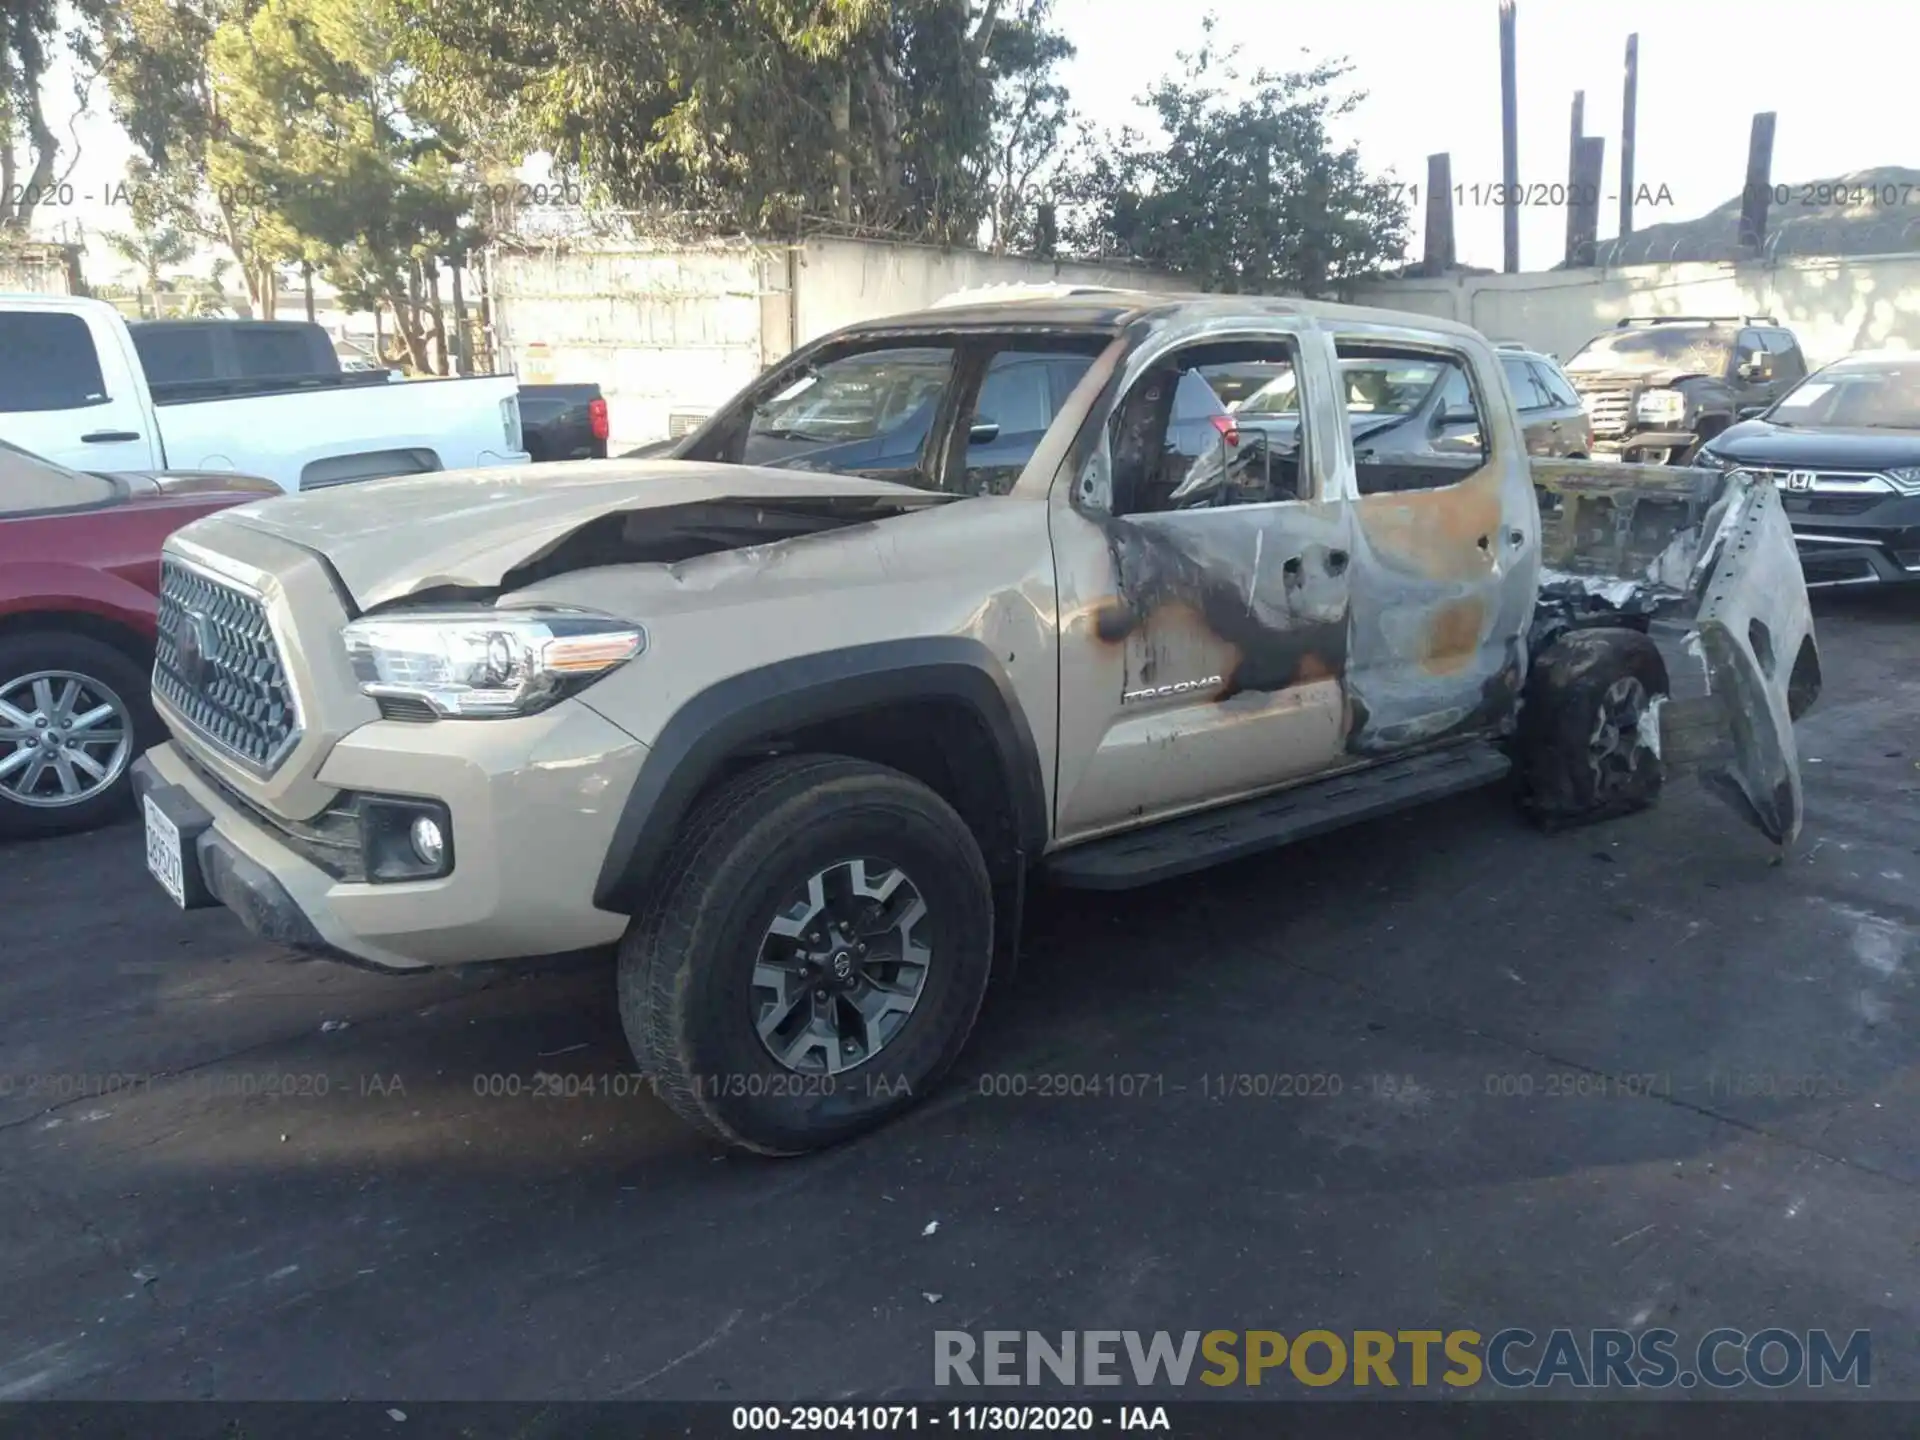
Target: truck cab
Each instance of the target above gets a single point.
(1659, 388)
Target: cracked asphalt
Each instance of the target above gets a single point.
(1632, 1075)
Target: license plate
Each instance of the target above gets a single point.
(163, 853)
(1611, 457)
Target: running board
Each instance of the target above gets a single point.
(1195, 842)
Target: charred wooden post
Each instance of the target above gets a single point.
(463, 350)
(1629, 95)
(1758, 194)
(1583, 216)
(1439, 256)
(1509, 141)
(1578, 130)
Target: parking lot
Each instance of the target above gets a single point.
(1630, 1075)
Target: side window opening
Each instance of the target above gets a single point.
(1558, 386)
(868, 413)
(1528, 393)
(1018, 398)
(1210, 426)
(1424, 427)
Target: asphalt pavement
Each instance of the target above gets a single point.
(1632, 1075)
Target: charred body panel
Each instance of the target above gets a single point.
(1631, 544)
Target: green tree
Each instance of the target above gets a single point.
(157, 57)
(152, 249)
(1037, 137)
(1242, 189)
(754, 114)
(349, 170)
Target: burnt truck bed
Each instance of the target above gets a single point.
(1637, 544)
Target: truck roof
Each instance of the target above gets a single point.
(1113, 309)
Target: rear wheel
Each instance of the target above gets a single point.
(814, 956)
(1589, 728)
(73, 710)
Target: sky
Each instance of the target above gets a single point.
(1838, 75)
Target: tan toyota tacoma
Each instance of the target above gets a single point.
(942, 606)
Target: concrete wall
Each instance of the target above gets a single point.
(1835, 305)
(673, 331)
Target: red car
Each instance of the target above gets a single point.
(79, 568)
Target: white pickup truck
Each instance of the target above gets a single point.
(73, 389)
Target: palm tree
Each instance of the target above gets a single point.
(150, 248)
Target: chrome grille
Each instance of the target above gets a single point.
(1609, 410)
(218, 666)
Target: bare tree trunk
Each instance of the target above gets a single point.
(843, 145)
(17, 215)
(269, 291)
(462, 355)
(230, 228)
(306, 281)
(883, 105)
(431, 267)
(406, 320)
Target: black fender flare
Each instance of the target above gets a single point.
(714, 725)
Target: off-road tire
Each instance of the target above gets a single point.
(1585, 678)
(31, 651)
(686, 964)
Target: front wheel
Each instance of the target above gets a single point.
(72, 711)
(1589, 735)
(813, 957)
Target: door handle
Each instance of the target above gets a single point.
(108, 437)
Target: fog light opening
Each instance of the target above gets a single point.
(428, 840)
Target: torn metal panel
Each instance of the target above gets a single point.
(1753, 636)
(1622, 521)
(1625, 544)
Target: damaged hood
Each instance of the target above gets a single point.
(388, 539)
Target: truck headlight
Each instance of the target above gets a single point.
(481, 663)
(1661, 407)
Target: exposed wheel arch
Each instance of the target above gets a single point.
(940, 709)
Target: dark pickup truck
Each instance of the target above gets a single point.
(1658, 388)
(563, 422)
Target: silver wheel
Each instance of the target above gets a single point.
(1617, 749)
(64, 738)
(841, 967)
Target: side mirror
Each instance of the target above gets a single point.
(1757, 368)
(1747, 412)
(984, 432)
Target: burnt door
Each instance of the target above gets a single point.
(1446, 559)
(1204, 614)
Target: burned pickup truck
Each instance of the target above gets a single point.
(942, 607)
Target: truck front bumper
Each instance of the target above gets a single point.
(531, 806)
